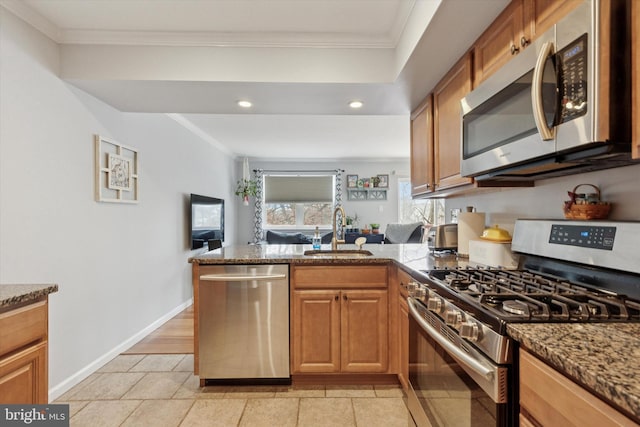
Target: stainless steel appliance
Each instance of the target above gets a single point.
(461, 367)
(560, 106)
(244, 324)
(443, 237)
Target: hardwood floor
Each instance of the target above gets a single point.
(174, 337)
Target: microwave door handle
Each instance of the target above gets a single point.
(545, 131)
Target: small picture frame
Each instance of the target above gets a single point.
(119, 174)
(352, 181)
(365, 182)
(384, 181)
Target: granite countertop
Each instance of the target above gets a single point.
(11, 295)
(603, 357)
(412, 256)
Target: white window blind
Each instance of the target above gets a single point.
(298, 189)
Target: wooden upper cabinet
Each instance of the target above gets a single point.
(520, 23)
(501, 41)
(447, 121)
(635, 72)
(540, 15)
(422, 148)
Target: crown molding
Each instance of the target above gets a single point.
(33, 18)
(224, 39)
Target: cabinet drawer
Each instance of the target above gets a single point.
(554, 400)
(22, 326)
(340, 277)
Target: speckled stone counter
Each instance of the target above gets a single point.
(412, 257)
(603, 357)
(13, 295)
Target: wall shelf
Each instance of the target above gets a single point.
(375, 193)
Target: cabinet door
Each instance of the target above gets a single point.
(551, 399)
(500, 42)
(540, 15)
(316, 331)
(23, 376)
(422, 148)
(635, 72)
(448, 124)
(403, 309)
(364, 333)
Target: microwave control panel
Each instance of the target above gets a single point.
(571, 64)
(586, 236)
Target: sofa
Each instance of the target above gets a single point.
(403, 233)
(278, 238)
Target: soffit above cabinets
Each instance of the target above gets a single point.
(289, 57)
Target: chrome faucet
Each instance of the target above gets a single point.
(334, 241)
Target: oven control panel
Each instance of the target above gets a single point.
(586, 236)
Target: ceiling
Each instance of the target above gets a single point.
(299, 62)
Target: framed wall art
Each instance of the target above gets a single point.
(384, 181)
(116, 176)
(352, 181)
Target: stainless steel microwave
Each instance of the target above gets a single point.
(561, 106)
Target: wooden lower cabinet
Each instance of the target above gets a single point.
(23, 376)
(548, 398)
(403, 375)
(23, 355)
(315, 326)
(403, 280)
(339, 330)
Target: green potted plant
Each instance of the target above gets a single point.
(352, 223)
(375, 228)
(246, 188)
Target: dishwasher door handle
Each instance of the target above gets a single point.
(240, 277)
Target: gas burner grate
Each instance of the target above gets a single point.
(524, 295)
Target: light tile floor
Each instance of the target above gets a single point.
(160, 390)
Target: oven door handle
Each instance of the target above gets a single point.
(459, 355)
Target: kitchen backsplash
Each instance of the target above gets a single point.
(618, 186)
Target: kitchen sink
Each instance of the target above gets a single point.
(345, 253)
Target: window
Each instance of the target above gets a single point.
(298, 202)
(418, 210)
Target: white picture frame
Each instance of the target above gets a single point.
(119, 174)
(116, 172)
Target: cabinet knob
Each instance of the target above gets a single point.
(344, 297)
(514, 49)
(337, 297)
(524, 41)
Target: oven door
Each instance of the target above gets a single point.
(451, 383)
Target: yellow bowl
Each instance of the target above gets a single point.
(496, 234)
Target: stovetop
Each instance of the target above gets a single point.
(526, 296)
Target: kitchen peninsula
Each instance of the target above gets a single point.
(605, 382)
(24, 331)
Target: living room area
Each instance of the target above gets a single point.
(288, 213)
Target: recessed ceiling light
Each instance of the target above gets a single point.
(355, 104)
(244, 104)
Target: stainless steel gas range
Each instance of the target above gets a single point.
(461, 367)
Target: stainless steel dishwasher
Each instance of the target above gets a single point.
(244, 324)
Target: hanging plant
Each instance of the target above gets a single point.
(246, 188)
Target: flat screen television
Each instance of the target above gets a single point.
(206, 220)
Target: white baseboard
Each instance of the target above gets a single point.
(75, 379)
